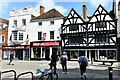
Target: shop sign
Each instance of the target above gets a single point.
(16, 47)
(46, 44)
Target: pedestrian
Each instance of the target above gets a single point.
(63, 61)
(54, 59)
(11, 58)
(83, 63)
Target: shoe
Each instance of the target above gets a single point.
(85, 76)
(81, 77)
(66, 72)
(12, 64)
(63, 72)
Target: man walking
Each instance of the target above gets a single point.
(63, 60)
(11, 58)
(83, 62)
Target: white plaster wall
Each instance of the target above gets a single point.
(34, 28)
(19, 15)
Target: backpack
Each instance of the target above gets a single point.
(83, 62)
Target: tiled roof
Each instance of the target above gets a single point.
(3, 21)
(53, 13)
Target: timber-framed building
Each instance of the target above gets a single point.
(95, 37)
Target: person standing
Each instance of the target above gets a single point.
(54, 59)
(83, 63)
(11, 58)
(63, 60)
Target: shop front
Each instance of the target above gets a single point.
(42, 50)
(20, 52)
(93, 54)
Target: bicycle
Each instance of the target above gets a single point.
(50, 75)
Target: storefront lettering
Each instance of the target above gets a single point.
(46, 44)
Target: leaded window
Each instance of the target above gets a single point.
(101, 24)
(73, 27)
(15, 35)
(102, 38)
(39, 35)
(75, 40)
(20, 36)
(51, 34)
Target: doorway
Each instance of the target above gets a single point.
(19, 54)
(47, 53)
(93, 55)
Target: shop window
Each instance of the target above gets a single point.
(111, 54)
(102, 54)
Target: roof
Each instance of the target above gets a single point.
(4, 21)
(53, 13)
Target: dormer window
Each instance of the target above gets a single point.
(40, 23)
(51, 22)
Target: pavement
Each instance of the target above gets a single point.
(95, 71)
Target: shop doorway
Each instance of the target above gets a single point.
(47, 53)
(92, 55)
(19, 54)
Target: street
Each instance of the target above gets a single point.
(95, 71)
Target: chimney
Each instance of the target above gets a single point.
(84, 11)
(41, 10)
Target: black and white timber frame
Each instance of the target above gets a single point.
(100, 32)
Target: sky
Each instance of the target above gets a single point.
(63, 6)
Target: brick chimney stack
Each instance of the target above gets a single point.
(41, 10)
(84, 11)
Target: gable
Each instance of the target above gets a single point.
(73, 18)
(101, 15)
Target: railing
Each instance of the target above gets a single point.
(24, 74)
(11, 71)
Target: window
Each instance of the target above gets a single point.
(75, 40)
(73, 27)
(102, 38)
(52, 22)
(40, 23)
(15, 35)
(3, 39)
(119, 6)
(24, 22)
(20, 36)
(39, 35)
(15, 22)
(101, 24)
(51, 34)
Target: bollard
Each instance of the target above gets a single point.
(110, 73)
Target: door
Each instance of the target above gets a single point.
(19, 54)
(47, 53)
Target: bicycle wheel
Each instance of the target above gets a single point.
(52, 76)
